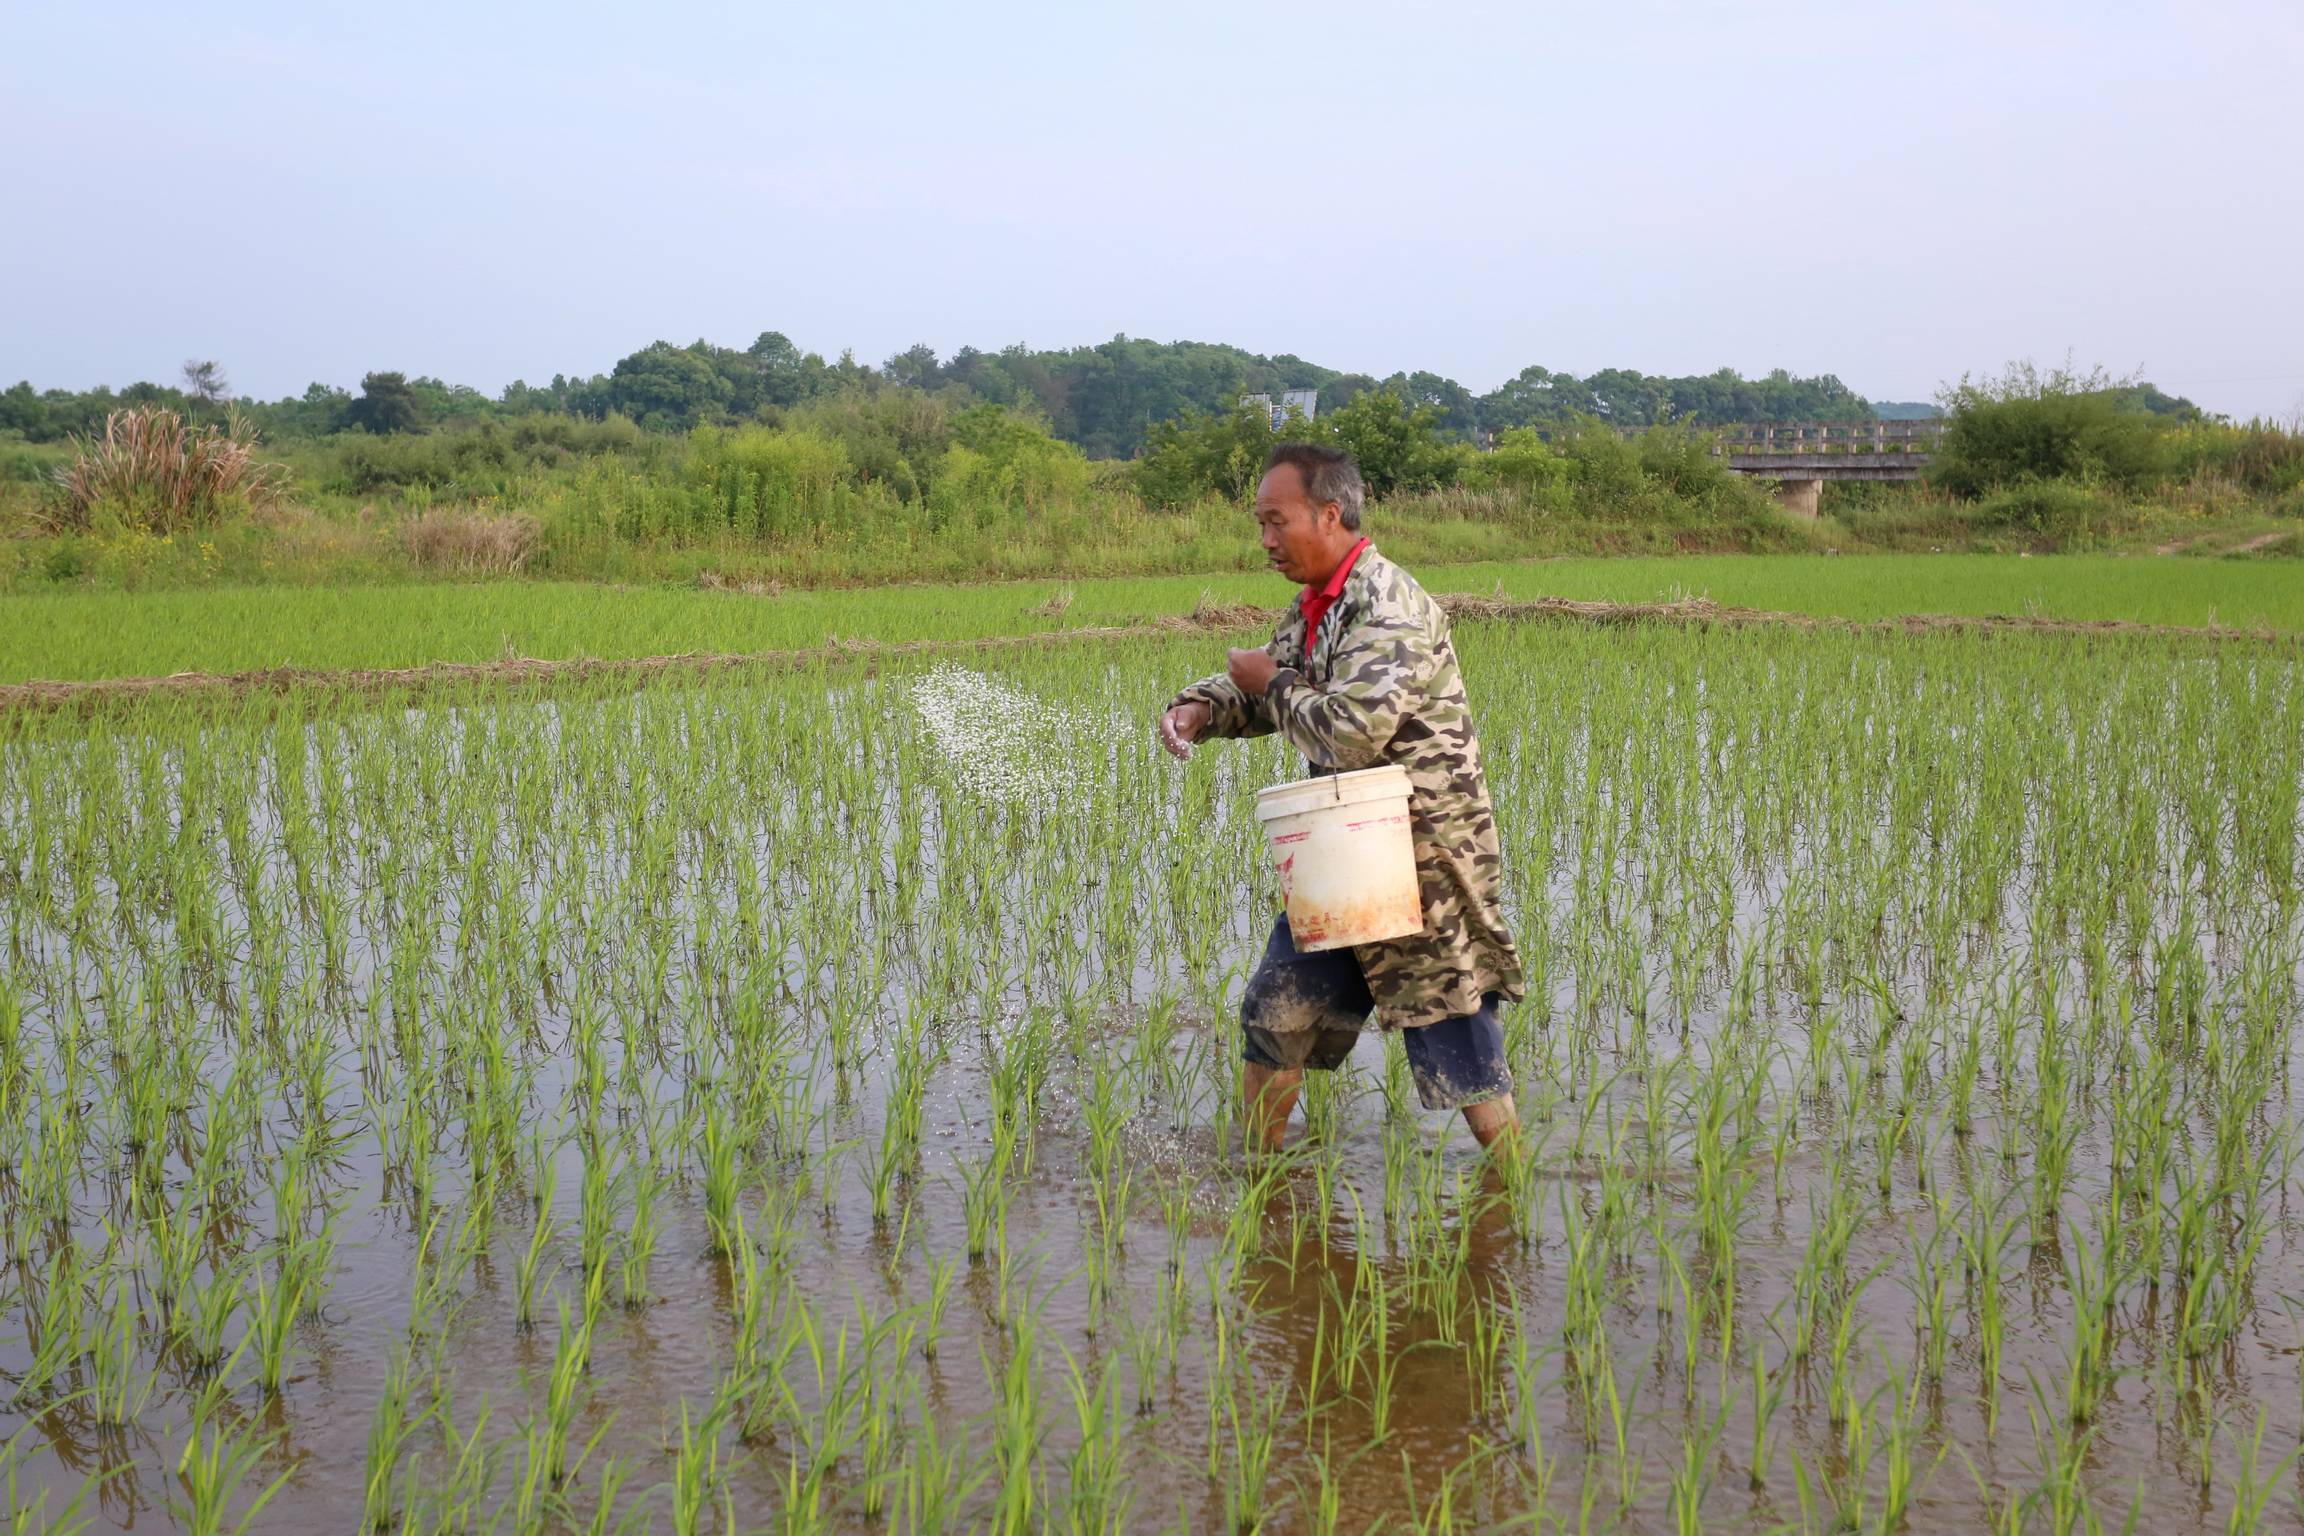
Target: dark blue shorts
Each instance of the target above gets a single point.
(1307, 1011)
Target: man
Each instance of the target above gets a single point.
(1362, 672)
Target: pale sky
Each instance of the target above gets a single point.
(1891, 193)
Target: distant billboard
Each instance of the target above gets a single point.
(1304, 402)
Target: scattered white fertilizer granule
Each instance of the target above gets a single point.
(1001, 743)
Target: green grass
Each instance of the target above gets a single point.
(77, 635)
(2240, 594)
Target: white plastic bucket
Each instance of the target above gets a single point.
(1346, 858)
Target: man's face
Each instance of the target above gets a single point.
(1300, 537)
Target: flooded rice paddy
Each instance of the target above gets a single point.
(803, 1100)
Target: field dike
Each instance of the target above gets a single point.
(1208, 617)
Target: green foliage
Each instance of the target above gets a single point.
(1106, 399)
(1221, 454)
(1624, 397)
(667, 388)
(1002, 460)
(486, 460)
(2154, 401)
(1681, 459)
(387, 403)
(1602, 463)
(321, 410)
(25, 464)
(1208, 453)
(1397, 444)
(764, 483)
(20, 409)
(893, 437)
(52, 416)
(2259, 457)
(2029, 424)
(2067, 513)
(1521, 460)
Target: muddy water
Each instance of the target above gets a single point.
(647, 1363)
(1230, 1319)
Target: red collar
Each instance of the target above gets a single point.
(1314, 602)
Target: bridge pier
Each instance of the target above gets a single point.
(1801, 497)
(1798, 479)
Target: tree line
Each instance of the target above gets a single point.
(1108, 400)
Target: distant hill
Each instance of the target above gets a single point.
(1904, 410)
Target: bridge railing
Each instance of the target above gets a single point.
(1920, 436)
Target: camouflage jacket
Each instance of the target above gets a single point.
(1382, 686)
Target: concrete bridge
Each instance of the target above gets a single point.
(1902, 436)
(1799, 477)
(1799, 456)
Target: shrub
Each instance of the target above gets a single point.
(1397, 445)
(486, 460)
(1682, 460)
(387, 403)
(151, 471)
(2065, 512)
(23, 464)
(471, 543)
(2029, 425)
(1602, 465)
(761, 482)
(546, 437)
(2258, 456)
(472, 462)
(1207, 453)
(1002, 459)
(893, 437)
(1665, 475)
(1521, 461)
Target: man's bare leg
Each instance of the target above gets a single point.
(1267, 1098)
(1492, 1121)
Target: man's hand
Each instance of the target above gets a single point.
(1181, 726)
(1252, 671)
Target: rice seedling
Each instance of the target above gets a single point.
(1097, 1498)
(119, 1381)
(1252, 1429)
(215, 1463)
(271, 1328)
(636, 1245)
(1968, 964)
(53, 1315)
(395, 1424)
(529, 1278)
(45, 1511)
(696, 1480)
(1691, 1477)
(1016, 1433)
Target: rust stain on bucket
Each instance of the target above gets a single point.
(1346, 857)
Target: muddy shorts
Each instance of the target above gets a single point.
(1309, 1011)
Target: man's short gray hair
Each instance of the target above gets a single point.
(1328, 474)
